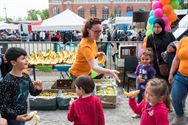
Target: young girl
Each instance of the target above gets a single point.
(144, 72)
(154, 107)
(87, 110)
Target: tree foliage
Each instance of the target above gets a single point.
(35, 14)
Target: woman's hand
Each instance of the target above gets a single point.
(171, 79)
(115, 73)
(38, 85)
(24, 118)
(100, 53)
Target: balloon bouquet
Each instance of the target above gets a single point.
(161, 9)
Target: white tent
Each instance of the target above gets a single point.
(67, 20)
(123, 20)
(4, 25)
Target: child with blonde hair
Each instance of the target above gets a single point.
(153, 109)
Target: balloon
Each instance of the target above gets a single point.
(151, 20)
(175, 4)
(158, 13)
(94, 74)
(144, 43)
(172, 17)
(148, 32)
(156, 5)
(165, 19)
(167, 9)
(151, 13)
(165, 1)
(167, 28)
(149, 27)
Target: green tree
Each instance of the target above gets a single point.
(32, 14)
(44, 14)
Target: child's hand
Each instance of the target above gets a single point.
(38, 85)
(3, 121)
(24, 117)
(140, 80)
(71, 101)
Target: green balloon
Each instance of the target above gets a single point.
(149, 27)
(148, 32)
(174, 4)
(94, 74)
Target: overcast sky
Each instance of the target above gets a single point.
(19, 8)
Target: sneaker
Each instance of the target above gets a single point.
(179, 121)
(136, 116)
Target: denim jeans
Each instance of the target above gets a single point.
(179, 93)
(14, 122)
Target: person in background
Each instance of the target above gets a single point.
(15, 88)
(179, 81)
(169, 54)
(153, 109)
(161, 39)
(87, 109)
(87, 52)
(5, 67)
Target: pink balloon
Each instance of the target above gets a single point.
(167, 28)
(166, 20)
(156, 5)
(158, 13)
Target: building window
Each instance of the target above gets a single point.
(55, 11)
(81, 11)
(55, 1)
(105, 12)
(93, 12)
(117, 11)
(142, 8)
(129, 8)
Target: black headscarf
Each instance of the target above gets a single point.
(162, 24)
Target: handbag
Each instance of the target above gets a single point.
(163, 68)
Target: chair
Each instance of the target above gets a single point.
(130, 64)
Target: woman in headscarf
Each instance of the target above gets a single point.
(161, 39)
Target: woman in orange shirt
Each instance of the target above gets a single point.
(179, 81)
(87, 51)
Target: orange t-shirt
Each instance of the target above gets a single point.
(87, 50)
(182, 51)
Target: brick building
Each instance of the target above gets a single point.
(98, 8)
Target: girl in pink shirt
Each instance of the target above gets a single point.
(87, 109)
(154, 107)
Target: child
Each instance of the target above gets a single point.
(15, 87)
(87, 110)
(144, 72)
(154, 107)
(169, 54)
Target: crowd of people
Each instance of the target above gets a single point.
(153, 102)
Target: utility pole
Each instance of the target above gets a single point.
(5, 13)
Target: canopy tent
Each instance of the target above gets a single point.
(67, 20)
(123, 20)
(4, 26)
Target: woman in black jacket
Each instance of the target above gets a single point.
(5, 67)
(161, 39)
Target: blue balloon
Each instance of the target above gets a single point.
(151, 13)
(181, 1)
(151, 20)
